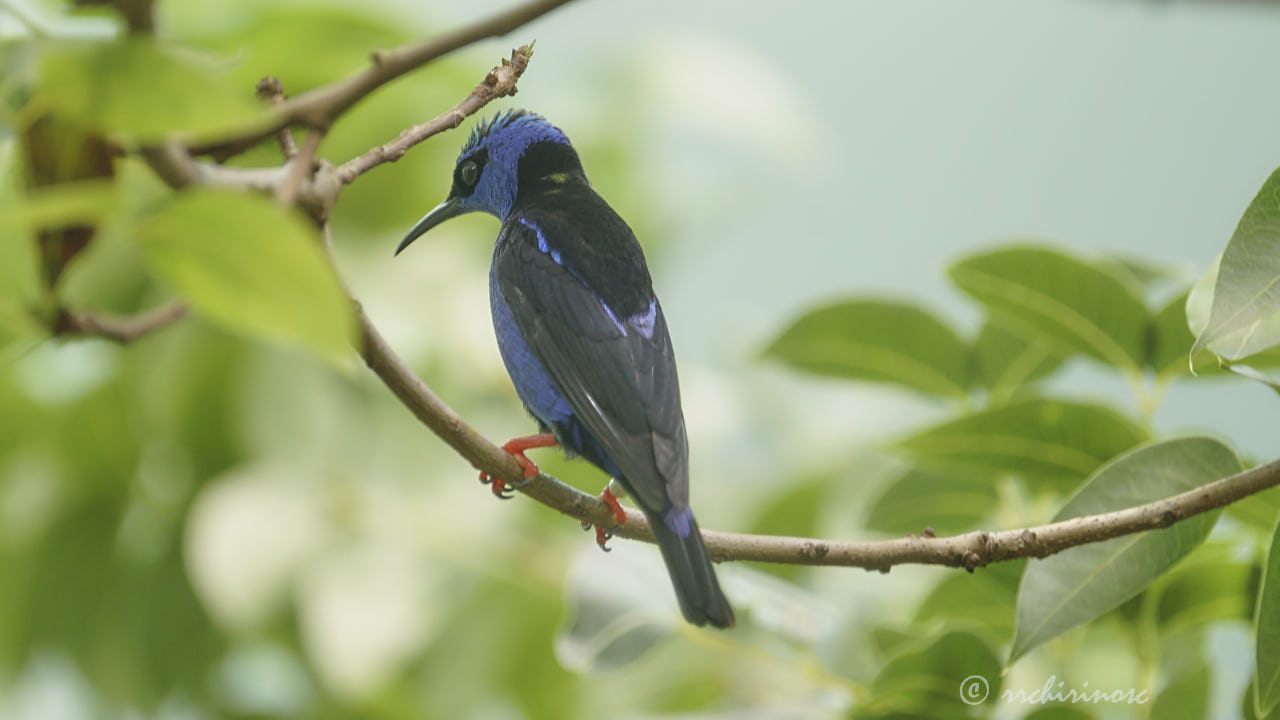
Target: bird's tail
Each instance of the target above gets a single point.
(689, 565)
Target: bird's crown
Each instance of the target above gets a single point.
(511, 132)
(512, 149)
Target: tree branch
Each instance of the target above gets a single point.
(320, 107)
(970, 550)
(500, 82)
(120, 329)
(318, 191)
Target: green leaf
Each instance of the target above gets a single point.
(982, 602)
(247, 264)
(932, 678)
(1245, 313)
(1081, 307)
(948, 502)
(1200, 299)
(1259, 510)
(1171, 339)
(1205, 592)
(1043, 440)
(304, 46)
(66, 203)
(117, 87)
(877, 341)
(109, 275)
(887, 642)
(1255, 375)
(1199, 303)
(1079, 584)
(1141, 272)
(1005, 361)
(1185, 696)
(1266, 626)
(1249, 705)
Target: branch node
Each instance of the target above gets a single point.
(269, 88)
(814, 550)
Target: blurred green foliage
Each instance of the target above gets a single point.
(225, 519)
(207, 245)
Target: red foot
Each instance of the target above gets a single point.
(619, 517)
(515, 449)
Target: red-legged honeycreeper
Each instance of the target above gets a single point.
(581, 333)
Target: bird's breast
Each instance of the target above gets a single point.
(533, 385)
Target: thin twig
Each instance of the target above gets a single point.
(300, 167)
(500, 82)
(122, 329)
(270, 90)
(320, 107)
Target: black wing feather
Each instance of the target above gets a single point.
(621, 385)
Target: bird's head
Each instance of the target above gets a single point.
(511, 149)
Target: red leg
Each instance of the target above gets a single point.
(619, 516)
(515, 448)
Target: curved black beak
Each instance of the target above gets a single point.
(445, 210)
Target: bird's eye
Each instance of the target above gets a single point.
(470, 172)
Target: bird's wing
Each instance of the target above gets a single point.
(617, 373)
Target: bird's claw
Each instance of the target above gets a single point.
(515, 448)
(500, 489)
(619, 515)
(603, 536)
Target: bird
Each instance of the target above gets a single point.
(582, 336)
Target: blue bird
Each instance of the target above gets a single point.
(582, 335)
